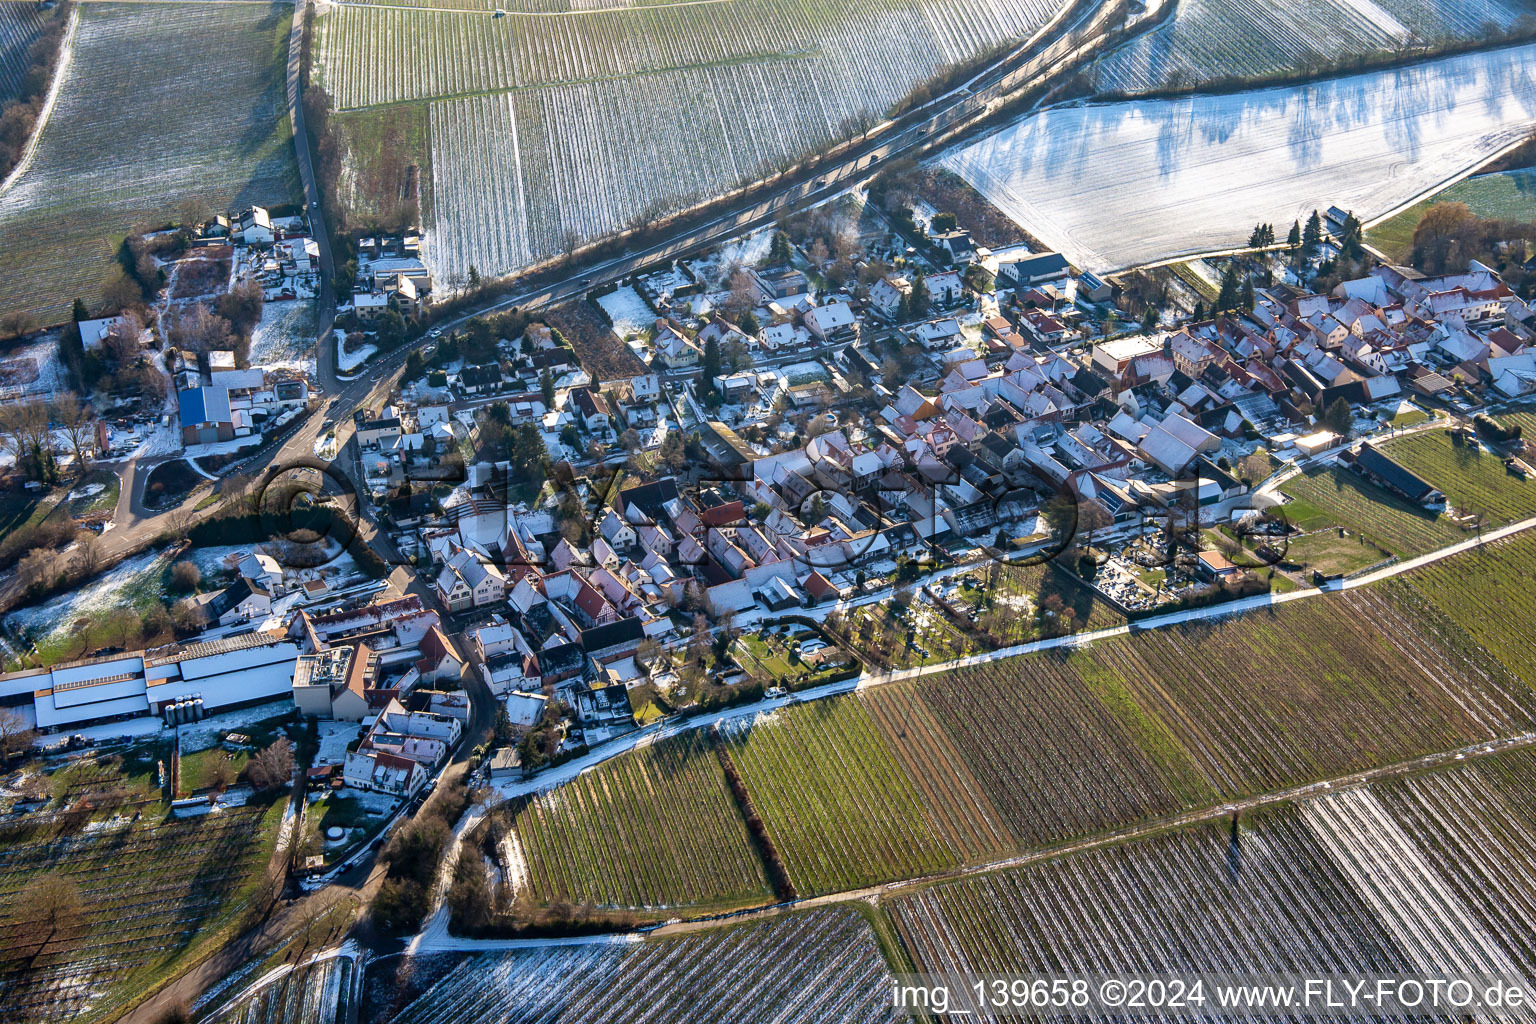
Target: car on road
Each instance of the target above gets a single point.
(436, 332)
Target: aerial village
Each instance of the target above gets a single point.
(835, 455)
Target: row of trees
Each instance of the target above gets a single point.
(26, 434)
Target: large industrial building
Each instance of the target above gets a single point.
(204, 678)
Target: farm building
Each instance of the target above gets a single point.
(206, 416)
(1381, 469)
(223, 674)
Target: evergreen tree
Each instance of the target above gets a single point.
(1312, 235)
(1199, 312)
(547, 388)
(779, 250)
(1351, 241)
(1293, 240)
(1338, 417)
(415, 365)
(80, 312)
(1256, 236)
(917, 301)
(1231, 290)
(1245, 297)
(1149, 320)
(710, 364)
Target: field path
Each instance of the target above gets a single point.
(60, 72)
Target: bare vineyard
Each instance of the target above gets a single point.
(622, 115)
(1210, 40)
(124, 148)
(148, 892)
(319, 992)
(822, 967)
(841, 809)
(657, 828)
(1427, 873)
(21, 21)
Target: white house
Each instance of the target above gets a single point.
(833, 322)
(887, 293)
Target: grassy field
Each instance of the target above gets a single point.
(151, 889)
(1474, 480)
(1332, 497)
(1332, 551)
(1505, 195)
(839, 805)
(123, 149)
(658, 828)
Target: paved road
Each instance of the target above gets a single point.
(1066, 39)
(326, 301)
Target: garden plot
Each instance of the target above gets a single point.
(32, 369)
(1220, 40)
(1119, 184)
(125, 148)
(628, 311)
(822, 967)
(285, 337)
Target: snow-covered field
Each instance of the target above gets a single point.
(553, 128)
(126, 584)
(1214, 39)
(285, 337)
(629, 313)
(1119, 184)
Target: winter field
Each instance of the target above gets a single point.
(149, 891)
(1120, 184)
(1421, 873)
(566, 127)
(821, 967)
(285, 337)
(124, 147)
(968, 766)
(21, 21)
(318, 992)
(1217, 40)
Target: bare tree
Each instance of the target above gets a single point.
(36, 565)
(49, 917)
(15, 734)
(88, 554)
(78, 421)
(17, 323)
(202, 330)
(272, 766)
(23, 425)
